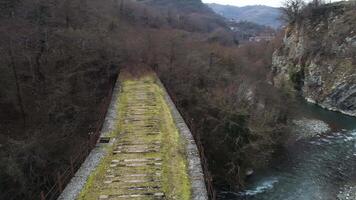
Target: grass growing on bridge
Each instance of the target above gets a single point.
(145, 98)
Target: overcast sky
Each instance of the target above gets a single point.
(274, 3)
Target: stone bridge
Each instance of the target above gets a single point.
(146, 151)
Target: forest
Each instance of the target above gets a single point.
(60, 58)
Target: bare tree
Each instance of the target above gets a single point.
(317, 3)
(292, 10)
(7, 7)
(18, 89)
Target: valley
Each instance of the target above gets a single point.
(258, 102)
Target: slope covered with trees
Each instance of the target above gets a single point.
(59, 59)
(262, 15)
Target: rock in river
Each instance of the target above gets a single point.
(307, 128)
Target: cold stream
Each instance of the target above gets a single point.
(319, 168)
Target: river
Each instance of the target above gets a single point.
(311, 169)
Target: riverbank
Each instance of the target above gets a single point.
(318, 165)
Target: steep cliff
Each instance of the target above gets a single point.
(318, 58)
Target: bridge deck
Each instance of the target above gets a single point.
(148, 158)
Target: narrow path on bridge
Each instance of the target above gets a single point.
(147, 160)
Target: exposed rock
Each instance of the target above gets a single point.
(306, 128)
(318, 59)
(249, 172)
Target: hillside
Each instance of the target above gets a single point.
(262, 15)
(59, 60)
(245, 30)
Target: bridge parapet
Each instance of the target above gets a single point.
(151, 153)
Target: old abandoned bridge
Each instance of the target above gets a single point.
(147, 151)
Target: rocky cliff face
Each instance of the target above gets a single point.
(318, 58)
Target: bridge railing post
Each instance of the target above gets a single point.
(59, 182)
(72, 166)
(42, 196)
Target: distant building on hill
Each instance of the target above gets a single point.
(262, 37)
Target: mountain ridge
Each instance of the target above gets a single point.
(259, 14)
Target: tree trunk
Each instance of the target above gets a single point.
(39, 77)
(121, 8)
(18, 89)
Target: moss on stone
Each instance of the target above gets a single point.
(174, 181)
